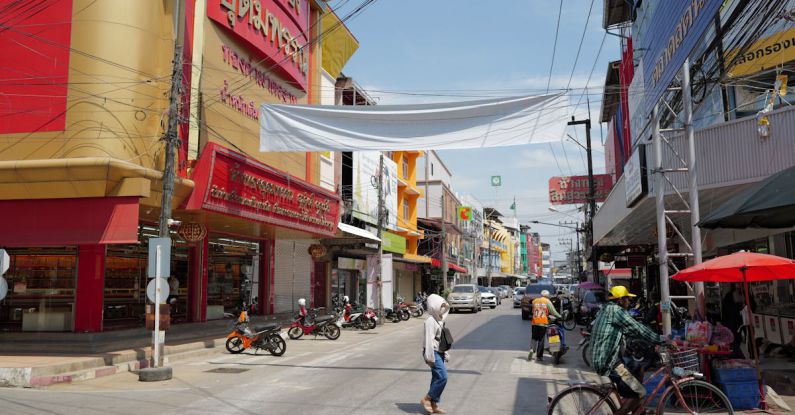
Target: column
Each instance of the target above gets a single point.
(265, 277)
(89, 295)
(197, 280)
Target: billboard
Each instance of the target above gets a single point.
(674, 28)
(365, 188)
(572, 190)
(635, 180)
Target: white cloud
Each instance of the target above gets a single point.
(534, 159)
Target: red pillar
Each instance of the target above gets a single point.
(265, 277)
(89, 295)
(197, 280)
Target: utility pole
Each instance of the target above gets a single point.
(171, 139)
(591, 194)
(378, 288)
(488, 266)
(695, 214)
(443, 259)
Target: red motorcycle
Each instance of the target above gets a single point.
(403, 309)
(311, 323)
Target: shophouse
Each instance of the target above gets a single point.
(533, 254)
(492, 247)
(546, 261)
(740, 66)
(81, 164)
(436, 206)
(472, 238)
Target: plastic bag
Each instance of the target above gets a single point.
(722, 335)
(698, 332)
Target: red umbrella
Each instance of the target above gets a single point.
(742, 267)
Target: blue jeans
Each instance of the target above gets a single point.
(438, 378)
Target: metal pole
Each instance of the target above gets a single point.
(156, 342)
(591, 200)
(378, 302)
(662, 243)
(443, 258)
(579, 254)
(488, 266)
(695, 215)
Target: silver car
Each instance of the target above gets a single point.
(465, 296)
(518, 293)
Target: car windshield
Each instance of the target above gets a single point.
(463, 289)
(537, 288)
(484, 290)
(519, 291)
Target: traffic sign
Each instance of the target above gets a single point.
(496, 180)
(150, 291)
(5, 261)
(165, 257)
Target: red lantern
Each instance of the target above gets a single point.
(192, 232)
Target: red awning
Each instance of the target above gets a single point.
(617, 272)
(56, 222)
(438, 264)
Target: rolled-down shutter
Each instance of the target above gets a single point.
(405, 285)
(293, 268)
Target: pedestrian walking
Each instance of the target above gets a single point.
(436, 351)
(542, 309)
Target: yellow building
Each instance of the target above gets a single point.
(408, 193)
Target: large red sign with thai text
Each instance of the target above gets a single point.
(276, 28)
(34, 65)
(572, 190)
(240, 186)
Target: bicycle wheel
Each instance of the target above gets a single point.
(586, 353)
(581, 399)
(568, 322)
(697, 398)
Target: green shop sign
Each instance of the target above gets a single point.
(393, 243)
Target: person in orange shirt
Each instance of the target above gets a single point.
(542, 309)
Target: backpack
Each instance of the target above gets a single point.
(445, 338)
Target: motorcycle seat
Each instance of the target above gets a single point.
(268, 327)
(324, 318)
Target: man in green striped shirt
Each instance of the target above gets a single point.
(611, 324)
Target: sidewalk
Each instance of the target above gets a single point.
(41, 359)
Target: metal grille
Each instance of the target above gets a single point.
(686, 359)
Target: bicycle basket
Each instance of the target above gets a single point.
(686, 358)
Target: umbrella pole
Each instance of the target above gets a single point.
(754, 351)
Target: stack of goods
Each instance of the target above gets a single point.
(738, 379)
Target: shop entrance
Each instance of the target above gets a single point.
(232, 279)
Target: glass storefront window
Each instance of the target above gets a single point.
(41, 290)
(231, 275)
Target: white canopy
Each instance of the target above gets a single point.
(358, 232)
(457, 125)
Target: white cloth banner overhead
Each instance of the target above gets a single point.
(457, 125)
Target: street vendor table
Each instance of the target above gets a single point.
(706, 360)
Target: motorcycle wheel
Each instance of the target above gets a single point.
(371, 323)
(295, 333)
(331, 331)
(404, 314)
(234, 345)
(569, 323)
(277, 345)
(417, 313)
(362, 324)
(586, 353)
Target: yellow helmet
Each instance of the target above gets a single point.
(620, 291)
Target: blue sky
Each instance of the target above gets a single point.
(415, 51)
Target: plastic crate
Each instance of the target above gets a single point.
(743, 374)
(742, 395)
(650, 383)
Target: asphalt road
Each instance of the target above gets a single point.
(374, 372)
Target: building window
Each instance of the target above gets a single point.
(406, 212)
(405, 167)
(431, 169)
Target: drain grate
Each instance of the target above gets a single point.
(227, 370)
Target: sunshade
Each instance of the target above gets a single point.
(453, 125)
(742, 267)
(768, 204)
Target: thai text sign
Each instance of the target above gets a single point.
(571, 190)
(276, 28)
(243, 187)
(675, 27)
(763, 54)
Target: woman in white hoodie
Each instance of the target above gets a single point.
(435, 359)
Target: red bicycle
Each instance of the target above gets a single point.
(686, 393)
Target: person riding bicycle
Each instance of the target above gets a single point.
(610, 326)
(542, 309)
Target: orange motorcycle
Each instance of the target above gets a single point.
(268, 337)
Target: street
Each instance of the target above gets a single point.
(371, 372)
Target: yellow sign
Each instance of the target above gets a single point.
(763, 54)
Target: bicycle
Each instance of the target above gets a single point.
(685, 395)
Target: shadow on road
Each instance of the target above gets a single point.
(411, 408)
(500, 333)
(388, 369)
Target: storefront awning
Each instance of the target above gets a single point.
(350, 229)
(438, 264)
(617, 272)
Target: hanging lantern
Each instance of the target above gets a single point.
(192, 232)
(317, 251)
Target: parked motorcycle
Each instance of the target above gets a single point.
(418, 308)
(403, 309)
(392, 314)
(314, 324)
(267, 337)
(360, 318)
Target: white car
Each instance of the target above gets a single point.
(487, 298)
